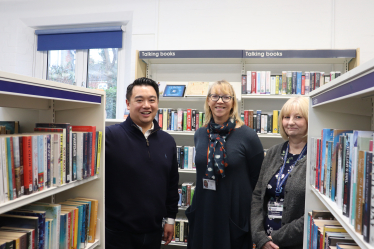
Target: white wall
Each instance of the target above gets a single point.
(200, 24)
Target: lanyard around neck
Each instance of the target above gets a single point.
(281, 181)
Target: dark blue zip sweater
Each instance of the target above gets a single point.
(141, 178)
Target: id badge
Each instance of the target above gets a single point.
(275, 209)
(209, 184)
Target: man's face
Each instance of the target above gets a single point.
(143, 105)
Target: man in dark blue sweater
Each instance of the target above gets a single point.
(141, 174)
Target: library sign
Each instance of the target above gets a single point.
(183, 54)
(322, 53)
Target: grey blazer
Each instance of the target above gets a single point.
(290, 235)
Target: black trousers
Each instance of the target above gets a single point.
(127, 240)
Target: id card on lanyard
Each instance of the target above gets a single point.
(209, 184)
(275, 207)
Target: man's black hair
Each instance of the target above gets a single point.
(141, 82)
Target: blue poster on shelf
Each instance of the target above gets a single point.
(174, 90)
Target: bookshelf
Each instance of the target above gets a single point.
(31, 100)
(344, 103)
(212, 65)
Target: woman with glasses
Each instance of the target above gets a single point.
(279, 197)
(228, 161)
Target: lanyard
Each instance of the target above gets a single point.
(280, 181)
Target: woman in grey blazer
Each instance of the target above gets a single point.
(278, 202)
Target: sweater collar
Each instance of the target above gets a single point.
(128, 123)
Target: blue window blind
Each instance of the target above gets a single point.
(79, 38)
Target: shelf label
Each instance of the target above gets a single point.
(322, 53)
(190, 54)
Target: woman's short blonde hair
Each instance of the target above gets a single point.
(226, 88)
(298, 104)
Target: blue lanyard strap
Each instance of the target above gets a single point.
(281, 181)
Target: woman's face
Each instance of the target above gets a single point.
(295, 125)
(220, 110)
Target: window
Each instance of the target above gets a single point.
(92, 64)
(61, 66)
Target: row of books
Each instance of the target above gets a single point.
(343, 164)
(186, 157)
(49, 157)
(186, 192)
(290, 82)
(180, 120)
(9, 127)
(68, 225)
(261, 122)
(181, 229)
(324, 232)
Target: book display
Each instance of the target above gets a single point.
(340, 139)
(263, 81)
(55, 155)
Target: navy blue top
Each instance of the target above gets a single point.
(141, 178)
(274, 224)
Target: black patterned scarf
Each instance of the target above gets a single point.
(217, 156)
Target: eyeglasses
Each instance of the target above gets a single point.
(225, 98)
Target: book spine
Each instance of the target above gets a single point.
(99, 145)
(346, 181)
(307, 82)
(244, 84)
(270, 123)
(45, 159)
(48, 166)
(189, 119)
(317, 80)
(197, 120)
(21, 165)
(267, 82)
(277, 84)
(165, 119)
(35, 161)
(360, 188)
(303, 85)
(258, 125)
(284, 82)
(249, 82)
(181, 165)
(89, 152)
(298, 82)
(246, 117)
(17, 172)
(40, 162)
(4, 169)
(263, 82)
(193, 120)
(175, 120)
(12, 179)
(366, 227)
(180, 119)
(186, 157)
(250, 118)
(85, 155)
(160, 120)
(75, 150)
(275, 121)
(254, 80)
(289, 82)
(185, 120)
(258, 82)
(169, 119)
(294, 82)
(264, 122)
(312, 81)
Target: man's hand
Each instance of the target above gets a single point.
(168, 233)
(270, 245)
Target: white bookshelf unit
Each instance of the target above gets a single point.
(344, 103)
(31, 100)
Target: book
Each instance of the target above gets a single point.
(367, 200)
(27, 165)
(53, 211)
(93, 218)
(254, 82)
(307, 83)
(249, 82)
(91, 129)
(298, 83)
(68, 148)
(284, 82)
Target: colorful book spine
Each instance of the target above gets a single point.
(298, 82)
(99, 145)
(275, 121)
(307, 83)
(254, 82)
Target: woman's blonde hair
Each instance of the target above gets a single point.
(226, 88)
(298, 104)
